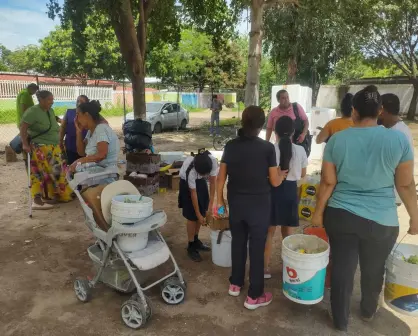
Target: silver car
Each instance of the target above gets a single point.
(164, 115)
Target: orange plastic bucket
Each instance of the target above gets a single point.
(321, 233)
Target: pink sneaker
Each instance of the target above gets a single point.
(262, 301)
(234, 290)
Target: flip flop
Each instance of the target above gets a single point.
(44, 206)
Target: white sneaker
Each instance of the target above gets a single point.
(44, 206)
(267, 274)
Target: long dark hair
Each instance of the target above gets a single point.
(285, 127)
(367, 102)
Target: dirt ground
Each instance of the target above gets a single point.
(40, 258)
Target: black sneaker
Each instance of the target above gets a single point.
(201, 247)
(194, 254)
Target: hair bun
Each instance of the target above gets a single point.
(97, 104)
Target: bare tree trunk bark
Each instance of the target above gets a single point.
(413, 105)
(292, 69)
(124, 26)
(254, 53)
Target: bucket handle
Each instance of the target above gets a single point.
(397, 245)
(218, 241)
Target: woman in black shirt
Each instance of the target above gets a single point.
(251, 167)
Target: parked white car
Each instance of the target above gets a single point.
(164, 115)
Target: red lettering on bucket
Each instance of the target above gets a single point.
(291, 273)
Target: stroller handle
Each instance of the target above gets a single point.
(82, 177)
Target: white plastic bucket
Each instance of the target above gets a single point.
(221, 253)
(125, 212)
(130, 242)
(304, 274)
(401, 284)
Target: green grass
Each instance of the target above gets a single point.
(8, 111)
(239, 108)
(192, 109)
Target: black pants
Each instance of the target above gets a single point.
(249, 218)
(353, 239)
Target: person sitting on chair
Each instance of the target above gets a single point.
(101, 144)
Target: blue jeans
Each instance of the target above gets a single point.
(214, 120)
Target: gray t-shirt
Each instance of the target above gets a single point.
(103, 133)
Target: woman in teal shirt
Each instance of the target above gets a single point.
(356, 203)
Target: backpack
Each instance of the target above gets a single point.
(299, 125)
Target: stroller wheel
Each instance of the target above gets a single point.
(148, 312)
(173, 291)
(82, 290)
(133, 314)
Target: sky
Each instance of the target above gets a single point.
(24, 22)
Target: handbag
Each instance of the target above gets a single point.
(299, 125)
(17, 145)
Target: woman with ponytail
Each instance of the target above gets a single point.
(284, 200)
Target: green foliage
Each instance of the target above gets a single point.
(196, 61)
(102, 58)
(312, 35)
(388, 30)
(24, 59)
(4, 54)
(356, 66)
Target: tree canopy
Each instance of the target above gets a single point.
(195, 61)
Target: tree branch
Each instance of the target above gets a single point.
(148, 7)
(271, 3)
(387, 54)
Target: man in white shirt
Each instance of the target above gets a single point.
(389, 118)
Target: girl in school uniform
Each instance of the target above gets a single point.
(284, 209)
(195, 198)
(250, 165)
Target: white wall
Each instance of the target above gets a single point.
(328, 94)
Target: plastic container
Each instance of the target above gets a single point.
(321, 233)
(401, 284)
(125, 211)
(221, 248)
(131, 242)
(170, 157)
(304, 274)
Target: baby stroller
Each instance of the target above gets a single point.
(120, 269)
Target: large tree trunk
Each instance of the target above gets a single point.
(414, 101)
(131, 41)
(254, 53)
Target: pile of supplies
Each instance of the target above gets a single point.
(137, 136)
(142, 170)
(169, 176)
(308, 191)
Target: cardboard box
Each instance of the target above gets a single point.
(175, 182)
(219, 224)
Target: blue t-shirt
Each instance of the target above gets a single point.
(366, 160)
